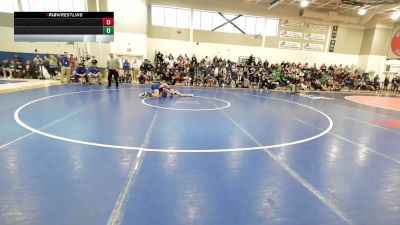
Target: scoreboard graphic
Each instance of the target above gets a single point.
(64, 26)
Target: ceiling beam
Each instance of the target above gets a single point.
(275, 4)
(327, 3)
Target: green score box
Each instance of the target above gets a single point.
(108, 30)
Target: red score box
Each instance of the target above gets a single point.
(108, 22)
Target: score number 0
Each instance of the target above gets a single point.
(108, 25)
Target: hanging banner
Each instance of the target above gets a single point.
(313, 47)
(291, 34)
(318, 27)
(314, 37)
(292, 24)
(289, 45)
(396, 43)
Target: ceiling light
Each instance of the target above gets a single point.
(304, 3)
(362, 12)
(395, 15)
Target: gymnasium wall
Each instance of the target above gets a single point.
(130, 26)
(348, 40)
(226, 38)
(7, 44)
(168, 33)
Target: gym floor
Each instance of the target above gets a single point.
(87, 155)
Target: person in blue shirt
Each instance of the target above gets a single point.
(127, 68)
(94, 72)
(80, 72)
(65, 67)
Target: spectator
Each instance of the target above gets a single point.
(386, 83)
(395, 84)
(30, 70)
(19, 70)
(94, 72)
(17, 59)
(37, 61)
(80, 72)
(72, 62)
(65, 65)
(11, 68)
(46, 62)
(5, 67)
(53, 67)
(127, 75)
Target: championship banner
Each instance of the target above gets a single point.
(291, 34)
(314, 37)
(318, 27)
(289, 45)
(292, 24)
(313, 47)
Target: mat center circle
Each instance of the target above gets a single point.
(196, 103)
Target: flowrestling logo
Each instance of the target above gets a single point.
(396, 43)
(64, 15)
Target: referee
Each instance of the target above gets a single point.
(113, 67)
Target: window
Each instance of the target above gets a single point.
(9, 6)
(251, 23)
(203, 20)
(240, 22)
(65, 5)
(157, 16)
(79, 5)
(217, 21)
(272, 27)
(182, 18)
(51, 6)
(25, 5)
(36, 5)
(54, 5)
(196, 20)
(206, 20)
(169, 17)
(260, 25)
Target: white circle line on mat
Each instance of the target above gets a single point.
(24, 125)
(228, 104)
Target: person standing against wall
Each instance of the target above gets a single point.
(65, 67)
(113, 67)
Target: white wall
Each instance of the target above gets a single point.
(129, 16)
(373, 63)
(234, 51)
(7, 44)
(137, 43)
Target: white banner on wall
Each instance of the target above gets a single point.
(291, 34)
(292, 24)
(313, 47)
(289, 45)
(314, 37)
(319, 27)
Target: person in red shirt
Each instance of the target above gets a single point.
(72, 62)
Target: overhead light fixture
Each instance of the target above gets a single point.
(304, 3)
(362, 12)
(395, 15)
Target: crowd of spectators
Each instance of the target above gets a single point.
(205, 72)
(254, 73)
(67, 65)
